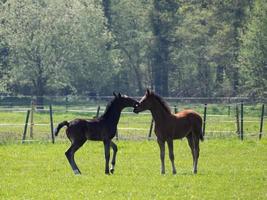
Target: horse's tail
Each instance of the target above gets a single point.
(201, 136)
(198, 127)
(196, 121)
(59, 126)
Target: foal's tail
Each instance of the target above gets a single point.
(59, 126)
(201, 136)
(198, 128)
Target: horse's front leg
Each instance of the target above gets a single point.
(162, 155)
(115, 149)
(171, 155)
(107, 155)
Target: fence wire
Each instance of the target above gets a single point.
(220, 123)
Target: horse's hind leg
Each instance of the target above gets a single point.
(171, 155)
(162, 155)
(70, 155)
(115, 149)
(196, 149)
(191, 144)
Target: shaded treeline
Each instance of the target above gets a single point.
(175, 47)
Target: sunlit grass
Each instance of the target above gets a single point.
(228, 169)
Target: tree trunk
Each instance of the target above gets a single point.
(106, 7)
(39, 83)
(219, 74)
(160, 55)
(138, 78)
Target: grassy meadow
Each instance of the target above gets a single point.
(228, 169)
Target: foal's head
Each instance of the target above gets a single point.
(151, 101)
(124, 101)
(145, 103)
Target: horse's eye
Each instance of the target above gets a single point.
(136, 104)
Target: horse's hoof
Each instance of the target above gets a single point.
(112, 171)
(174, 172)
(107, 173)
(195, 171)
(76, 172)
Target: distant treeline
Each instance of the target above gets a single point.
(204, 48)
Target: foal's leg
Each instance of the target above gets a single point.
(191, 144)
(70, 154)
(162, 155)
(115, 149)
(171, 155)
(107, 155)
(196, 149)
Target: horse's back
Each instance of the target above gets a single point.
(190, 114)
(190, 119)
(82, 128)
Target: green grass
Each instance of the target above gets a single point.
(228, 169)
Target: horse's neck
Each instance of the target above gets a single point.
(113, 115)
(160, 115)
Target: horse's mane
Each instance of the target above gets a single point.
(162, 102)
(108, 107)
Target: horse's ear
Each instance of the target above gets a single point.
(114, 94)
(148, 92)
(119, 95)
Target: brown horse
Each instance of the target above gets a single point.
(102, 129)
(170, 126)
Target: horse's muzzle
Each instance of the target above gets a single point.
(135, 110)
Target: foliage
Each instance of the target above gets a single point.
(253, 54)
(177, 47)
(56, 45)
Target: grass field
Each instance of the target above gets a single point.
(228, 169)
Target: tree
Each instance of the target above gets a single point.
(253, 53)
(56, 45)
(230, 17)
(163, 23)
(193, 71)
(129, 25)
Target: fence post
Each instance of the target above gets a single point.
(51, 123)
(31, 120)
(229, 107)
(242, 120)
(150, 129)
(175, 109)
(66, 103)
(97, 111)
(205, 117)
(237, 121)
(25, 126)
(261, 124)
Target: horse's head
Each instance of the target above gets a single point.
(145, 103)
(125, 101)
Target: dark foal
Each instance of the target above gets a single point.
(101, 129)
(170, 126)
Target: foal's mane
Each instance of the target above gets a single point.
(162, 102)
(108, 107)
